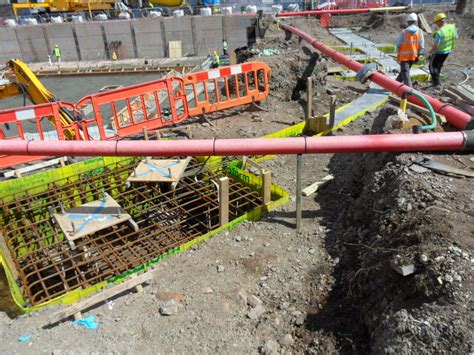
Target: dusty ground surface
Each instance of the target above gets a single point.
(331, 288)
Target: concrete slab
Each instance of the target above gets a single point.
(149, 38)
(91, 41)
(179, 29)
(368, 47)
(208, 34)
(120, 32)
(372, 98)
(61, 34)
(389, 64)
(32, 43)
(9, 47)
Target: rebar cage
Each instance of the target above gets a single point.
(46, 267)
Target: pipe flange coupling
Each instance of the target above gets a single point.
(470, 124)
(468, 140)
(367, 70)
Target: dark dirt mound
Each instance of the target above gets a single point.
(383, 212)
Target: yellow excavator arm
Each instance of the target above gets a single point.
(27, 83)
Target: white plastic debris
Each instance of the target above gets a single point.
(251, 9)
(205, 11)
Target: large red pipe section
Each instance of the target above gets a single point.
(322, 12)
(340, 11)
(455, 141)
(454, 116)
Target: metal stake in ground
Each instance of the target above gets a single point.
(332, 111)
(299, 169)
(309, 98)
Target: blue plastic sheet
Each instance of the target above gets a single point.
(88, 322)
(24, 338)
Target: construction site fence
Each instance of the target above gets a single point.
(127, 111)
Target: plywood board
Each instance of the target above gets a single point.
(424, 24)
(159, 170)
(91, 217)
(175, 50)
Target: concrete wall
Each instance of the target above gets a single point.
(139, 38)
(179, 29)
(62, 35)
(33, 44)
(149, 38)
(239, 30)
(120, 31)
(208, 34)
(9, 48)
(90, 41)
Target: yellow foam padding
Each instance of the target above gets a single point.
(97, 165)
(41, 179)
(387, 48)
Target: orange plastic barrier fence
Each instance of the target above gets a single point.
(227, 87)
(35, 123)
(127, 111)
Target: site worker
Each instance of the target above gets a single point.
(114, 56)
(225, 47)
(216, 61)
(57, 53)
(444, 43)
(410, 47)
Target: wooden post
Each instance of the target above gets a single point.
(332, 111)
(145, 133)
(223, 200)
(266, 186)
(309, 97)
(299, 170)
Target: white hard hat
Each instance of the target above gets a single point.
(412, 18)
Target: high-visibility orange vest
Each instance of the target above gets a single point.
(410, 47)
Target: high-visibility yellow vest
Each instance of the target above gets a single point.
(447, 34)
(57, 51)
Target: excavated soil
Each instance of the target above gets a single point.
(330, 288)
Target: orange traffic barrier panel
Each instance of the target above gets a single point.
(126, 111)
(39, 122)
(227, 87)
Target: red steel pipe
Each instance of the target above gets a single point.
(455, 141)
(454, 116)
(322, 12)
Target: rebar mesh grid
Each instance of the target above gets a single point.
(47, 267)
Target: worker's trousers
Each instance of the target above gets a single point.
(436, 63)
(404, 75)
